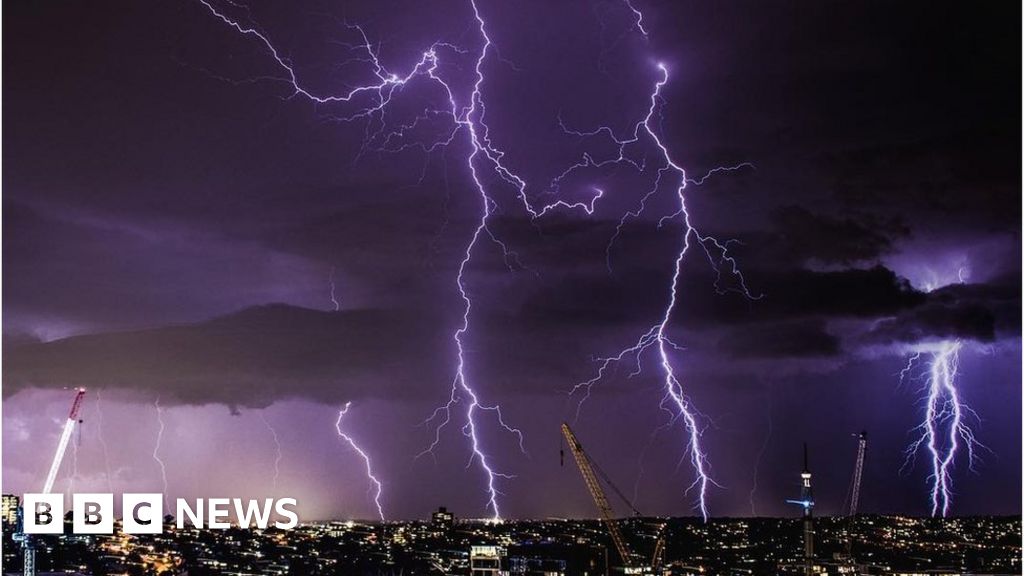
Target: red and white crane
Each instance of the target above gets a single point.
(27, 545)
(65, 437)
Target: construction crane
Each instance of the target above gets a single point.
(27, 544)
(590, 471)
(858, 471)
(854, 496)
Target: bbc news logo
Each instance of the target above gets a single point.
(93, 513)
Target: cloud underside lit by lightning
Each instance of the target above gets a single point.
(377, 488)
(943, 429)
(463, 111)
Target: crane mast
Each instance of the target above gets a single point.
(590, 479)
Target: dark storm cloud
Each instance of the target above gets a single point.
(251, 358)
(796, 306)
(260, 355)
(805, 235)
(938, 322)
(980, 312)
(554, 299)
(798, 339)
(92, 270)
(934, 179)
(860, 293)
(585, 291)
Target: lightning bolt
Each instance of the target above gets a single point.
(657, 337)
(464, 114)
(643, 455)
(907, 371)
(277, 449)
(377, 486)
(465, 118)
(639, 18)
(156, 447)
(962, 274)
(944, 425)
(74, 467)
(334, 299)
(760, 456)
(103, 440)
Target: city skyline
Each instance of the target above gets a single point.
(701, 236)
(898, 545)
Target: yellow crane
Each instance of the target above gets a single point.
(607, 515)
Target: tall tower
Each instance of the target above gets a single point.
(806, 501)
(807, 495)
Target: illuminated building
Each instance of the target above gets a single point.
(9, 509)
(486, 561)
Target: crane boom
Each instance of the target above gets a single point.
(65, 436)
(858, 470)
(590, 479)
(27, 544)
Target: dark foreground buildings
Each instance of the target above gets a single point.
(884, 545)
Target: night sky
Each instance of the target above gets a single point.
(175, 217)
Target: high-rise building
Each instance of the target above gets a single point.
(443, 519)
(9, 509)
(486, 561)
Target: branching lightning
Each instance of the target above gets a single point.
(466, 118)
(464, 113)
(944, 425)
(377, 486)
(906, 371)
(657, 337)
